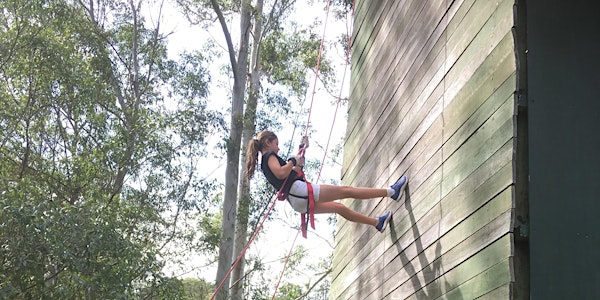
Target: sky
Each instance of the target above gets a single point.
(276, 238)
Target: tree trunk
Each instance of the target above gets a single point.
(241, 230)
(233, 146)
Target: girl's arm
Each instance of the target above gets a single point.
(281, 172)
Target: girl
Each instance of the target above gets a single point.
(276, 171)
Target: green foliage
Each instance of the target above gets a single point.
(210, 226)
(273, 105)
(196, 289)
(287, 57)
(97, 167)
(164, 288)
(342, 8)
(289, 291)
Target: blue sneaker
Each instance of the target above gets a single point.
(383, 220)
(399, 187)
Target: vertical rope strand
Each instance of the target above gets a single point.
(287, 259)
(312, 100)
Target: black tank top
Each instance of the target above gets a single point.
(264, 166)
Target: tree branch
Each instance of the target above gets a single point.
(223, 23)
(155, 45)
(315, 284)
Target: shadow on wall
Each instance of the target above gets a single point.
(430, 288)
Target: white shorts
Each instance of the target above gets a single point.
(300, 189)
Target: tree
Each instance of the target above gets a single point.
(239, 68)
(97, 172)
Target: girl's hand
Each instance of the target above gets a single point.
(300, 161)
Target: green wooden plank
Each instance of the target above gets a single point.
(450, 218)
(367, 29)
(403, 57)
(388, 58)
(485, 282)
(431, 140)
(473, 24)
(478, 263)
(502, 292)
(366, 240)
(483, 112)
(486, 141)
(389, 255)
(450, 147)
(466, 118)
(403, 163)
(472, 201)
(477, 150)
(494, 32)
(454, 81)
(420, 153)
(423, 24)
(374, 29)
(396, 27)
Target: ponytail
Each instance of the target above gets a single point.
(255, 146)
(252, 157)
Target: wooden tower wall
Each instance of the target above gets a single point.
(433, 97)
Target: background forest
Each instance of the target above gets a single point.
(119, 160)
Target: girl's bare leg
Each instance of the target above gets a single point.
(333, 192)
(344, 211)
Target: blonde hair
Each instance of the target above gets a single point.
(254, 146)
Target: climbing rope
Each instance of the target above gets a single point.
(239, 258)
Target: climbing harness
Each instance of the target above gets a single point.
(307, 217)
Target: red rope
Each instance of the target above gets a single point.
(239, 258)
